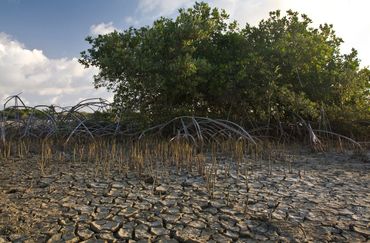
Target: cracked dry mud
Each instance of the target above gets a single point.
(325, 197)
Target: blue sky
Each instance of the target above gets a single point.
(59, 27)
(40, 40)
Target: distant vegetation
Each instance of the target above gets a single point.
(282, 71)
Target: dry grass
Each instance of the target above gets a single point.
(195, 144)
(144, 157)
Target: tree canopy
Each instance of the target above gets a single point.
(201, 63)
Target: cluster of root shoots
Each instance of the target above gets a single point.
(194, 144)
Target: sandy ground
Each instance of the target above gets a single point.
(319, 197)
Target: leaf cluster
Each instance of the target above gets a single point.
(201, 63)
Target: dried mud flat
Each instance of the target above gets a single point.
(319, 198)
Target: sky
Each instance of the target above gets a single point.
(41, 40)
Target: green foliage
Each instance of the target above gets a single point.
(201, 64)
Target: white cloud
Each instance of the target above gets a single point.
(162, 7)
(131, 21)
(242, 10)
(41, 79)
(102, 29)
(251, 11)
